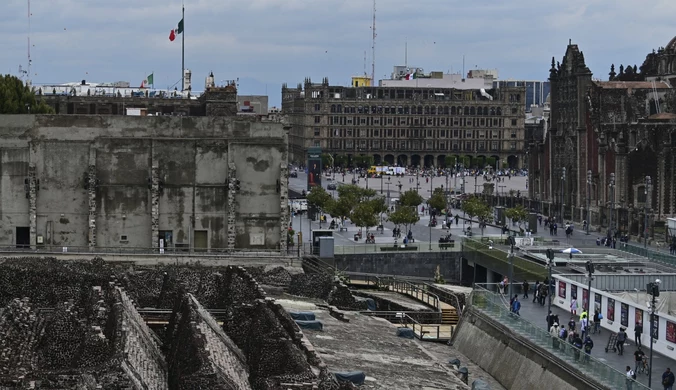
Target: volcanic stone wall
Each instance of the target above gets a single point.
(99, 343)
(201, 355)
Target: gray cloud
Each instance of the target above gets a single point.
(267, 42)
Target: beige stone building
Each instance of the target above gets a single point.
(408, 124)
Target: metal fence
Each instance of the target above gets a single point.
(651, 254)
(361, 248)
(215, 252)
(494, 306)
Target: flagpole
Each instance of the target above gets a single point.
(183, 48)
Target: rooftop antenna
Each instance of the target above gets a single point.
(373, 46)
(365, 74)
(28, 69)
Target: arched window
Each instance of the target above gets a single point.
(453, 112)
(498, 111)
(492, 110)
(485, 110)
(333, 108)
(466, 110)
(420, 110)
(471, 111)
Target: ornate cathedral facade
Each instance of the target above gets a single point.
(609, 150)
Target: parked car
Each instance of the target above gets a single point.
(331, 186)
(293, 174)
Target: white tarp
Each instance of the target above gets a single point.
(666, 302)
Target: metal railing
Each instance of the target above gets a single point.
(361, 248)
(652, 254)
(429, 332)
(494, 306)
(446, 297)
(400, 317)
(410, 289)
(523, 268)
(120, 250)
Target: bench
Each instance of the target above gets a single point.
(446, 245)
(398, 248)
(340, 229)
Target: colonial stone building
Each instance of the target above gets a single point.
(622, 127)
(406, 125)
(135, 182)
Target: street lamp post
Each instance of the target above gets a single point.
(654, 291)
(550, 257)
(455, 177)
(563, 189)
(511, 265)
(611, 188)
(590, 272)
(428, 206)
(589, 180)
(381, 182)
(400, 185)
(648, 193)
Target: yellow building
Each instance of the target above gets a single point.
(361, 81)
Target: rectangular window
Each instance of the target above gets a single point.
(512, 145)
(513, 133)
(317, 143)
(513, 110)
(513, 122)
(318, 119)
(316, 131)
(318, 107)
(494, 146)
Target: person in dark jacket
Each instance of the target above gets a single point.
(587, 346)
(668, 379)
(578, 344)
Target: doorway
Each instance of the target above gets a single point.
(23, 237)
(168, 237)
(201, 241)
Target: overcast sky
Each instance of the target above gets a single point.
(267, 42)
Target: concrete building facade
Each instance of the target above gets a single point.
(406, 125)
(192, 183)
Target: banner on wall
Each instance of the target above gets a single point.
(671, 332)
(655, 326)
(573, 291)
(562, 289)
(597, 299)
(585, 299)
(624, 314)
(610, 315)
(314, 168)
(639, 316)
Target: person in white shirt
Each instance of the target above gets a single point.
(630, 378)
(584, 323)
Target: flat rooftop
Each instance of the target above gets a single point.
(371, 345)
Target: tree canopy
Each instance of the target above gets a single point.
(361, 205)
(517, 214)
(475, 207)
(18, 98)
(438, 199)
(404, 215)
(319, 198)
(410, 198)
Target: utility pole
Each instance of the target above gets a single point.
(428, 208)
(511, 242)
(563, 189)
(648, 193)
(654, 291)
(589, 181)
(590, 272)
(611, 188)
(550, 257)
(455, 175)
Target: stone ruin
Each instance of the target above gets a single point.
(77, 325)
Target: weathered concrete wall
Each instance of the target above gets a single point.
(511, 361)
(151, 175)
(421, 265)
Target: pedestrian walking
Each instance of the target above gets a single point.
(535, 290)
(571, 324)
(621, 338)
(587, 346)
(638, 358)
(525, 289)
(631, 375)
(638, 330)
(668, 379)
(554, 332)
(573, 306)
(584, 323)
(516, 306)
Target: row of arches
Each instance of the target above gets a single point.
(418, 110)
(446, 161)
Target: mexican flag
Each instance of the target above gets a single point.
(411, 76)
(176, 31)
(148, 81)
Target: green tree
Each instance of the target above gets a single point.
(364, 215)
(517, 214)
(410, 198)
(362, 161)
(449, 161)
(327, 160)
(438, 199)
(475, 207)
(18, 98)
(319, 199)
(404, 215)
(340, 160)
